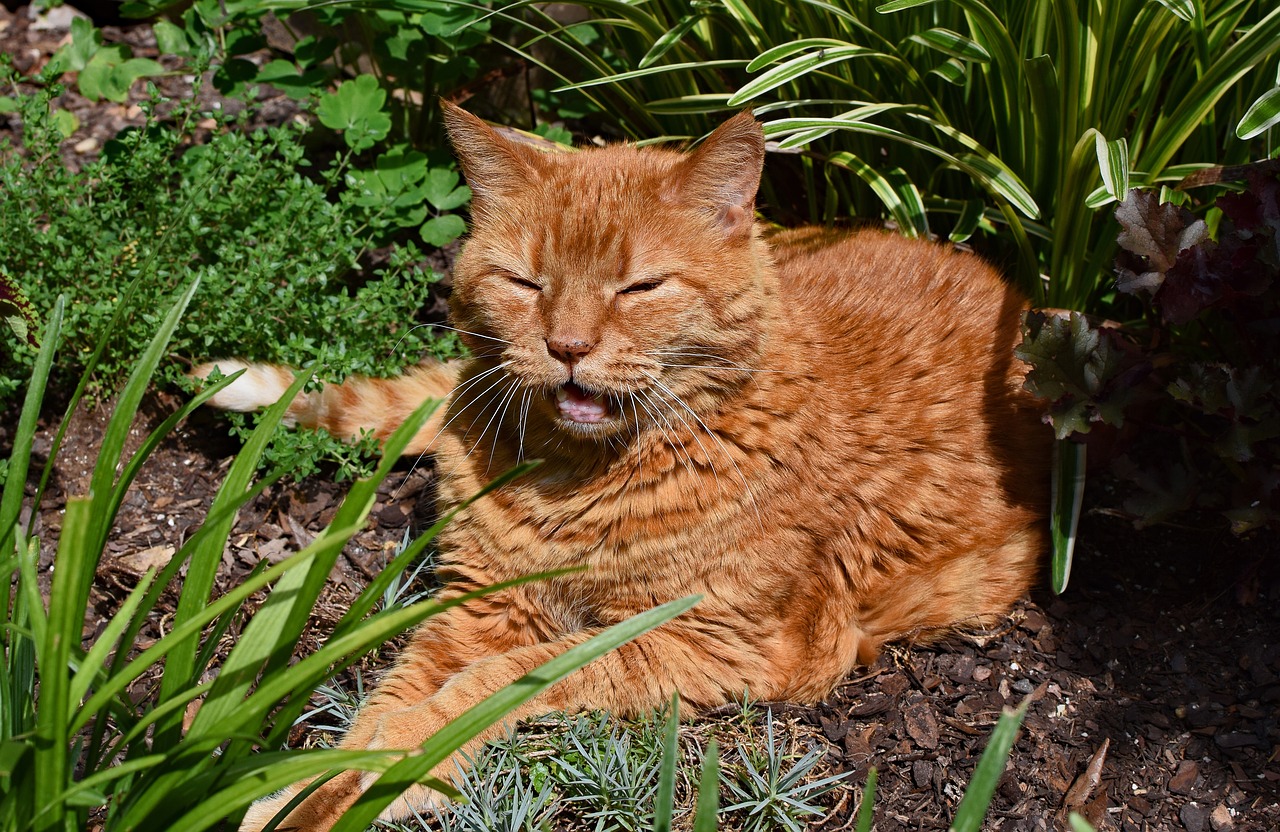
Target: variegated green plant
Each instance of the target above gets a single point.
(1024, 120)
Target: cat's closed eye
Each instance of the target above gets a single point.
(522, 282)
(646, 285)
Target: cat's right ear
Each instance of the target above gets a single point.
(493, 166)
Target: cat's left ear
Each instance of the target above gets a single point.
(723, 173)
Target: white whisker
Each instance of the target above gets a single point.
(719, 442)
(730, 368)
(508, 397)
(669, 431)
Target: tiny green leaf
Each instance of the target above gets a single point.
(171, 39)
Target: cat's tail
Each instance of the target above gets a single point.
(345, 410)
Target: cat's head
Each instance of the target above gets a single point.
(619, 286)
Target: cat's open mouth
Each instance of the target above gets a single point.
(577, 405)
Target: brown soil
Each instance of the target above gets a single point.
(1160, 666)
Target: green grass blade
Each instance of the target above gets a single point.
(318, 666)
(180, 667)
(268, 640)
(664, 802)
(93, 662)
(866, 808)
(704, 814)
(258, 777)
(977, 798)
(369, 597)
(193, 626)
(1066, 495)
(103, 482)
(20, 456)
(452, 737)
(75, 558)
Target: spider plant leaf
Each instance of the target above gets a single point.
(952, 70)
(887, 191)
(1067, 493)
(797, 68)
(786, 50)
(690, 104)
(970, 217)
(952, 43)
(1261, 116)
(669, 39)
(1184, 9)
(899, 5)
(1113, 162)
(653, 70)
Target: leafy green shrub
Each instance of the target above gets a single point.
(413, 56)
(282, 250)
(1192, 390)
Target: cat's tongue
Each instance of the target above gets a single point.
(577, 405)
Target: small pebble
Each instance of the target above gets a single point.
(1194, 818)
(1221, 819)
(89, 145)
(1184, 780)
(981, 674)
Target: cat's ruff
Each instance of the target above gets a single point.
(824, 435)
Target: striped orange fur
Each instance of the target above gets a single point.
(823, 434)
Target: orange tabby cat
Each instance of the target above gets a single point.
(825, 435)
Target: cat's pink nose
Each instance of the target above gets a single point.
(569, 350)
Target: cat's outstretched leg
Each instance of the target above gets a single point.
(437, 652)
(707, 660)
(345, 410)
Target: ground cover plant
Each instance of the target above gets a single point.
(300, 264)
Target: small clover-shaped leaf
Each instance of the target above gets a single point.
(443, 191)
(442, 230)
(356, 108)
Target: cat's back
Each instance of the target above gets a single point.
(900, 319)
(904, 286)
